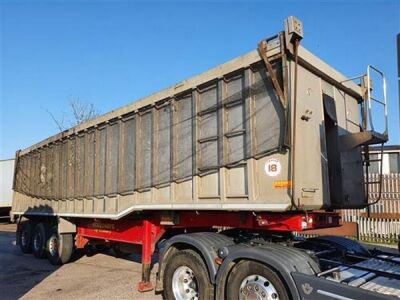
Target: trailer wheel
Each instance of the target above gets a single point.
(24, 236)
(59, 247)
(119, 252)
(253, 280)
(39, 239)
(186, 277)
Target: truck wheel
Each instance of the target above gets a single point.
(186, 277)
(39, 239)
(252, 280)
(24, 236)
(59, 247)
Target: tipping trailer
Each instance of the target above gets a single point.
(214, 174)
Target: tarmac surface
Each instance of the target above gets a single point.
(101, 276)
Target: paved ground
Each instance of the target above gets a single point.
(101, 276)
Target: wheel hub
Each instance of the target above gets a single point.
(37, 241)
(53, 246)
(184, 284)
(24, 238)
(255, 287)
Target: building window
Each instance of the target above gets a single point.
(394, 163)
(374, 166)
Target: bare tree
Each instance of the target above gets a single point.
(79, 112)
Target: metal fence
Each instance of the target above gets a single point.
(390, 187)
(383, 207)
(384, 224)
(378, 230)
(390, 199)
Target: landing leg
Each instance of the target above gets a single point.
(148, 243)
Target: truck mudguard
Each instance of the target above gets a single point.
(206, 243)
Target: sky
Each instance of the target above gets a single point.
(112, 53)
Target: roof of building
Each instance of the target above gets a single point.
(386, 148)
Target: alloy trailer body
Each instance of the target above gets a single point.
(214, 174)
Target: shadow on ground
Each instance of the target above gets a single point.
(24, 276)
(19, 272)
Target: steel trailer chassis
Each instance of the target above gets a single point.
(310, 268)
(148, 228)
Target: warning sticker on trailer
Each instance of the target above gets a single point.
(282, 184)
(273, 167)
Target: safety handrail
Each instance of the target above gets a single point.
(370, 98)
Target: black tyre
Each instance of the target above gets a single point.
(59, 247)
(119, 252)
(39, 239)
(24, 236)
(101, 248)
(253, 280)
(186, 277)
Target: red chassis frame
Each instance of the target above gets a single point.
(147, 228)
